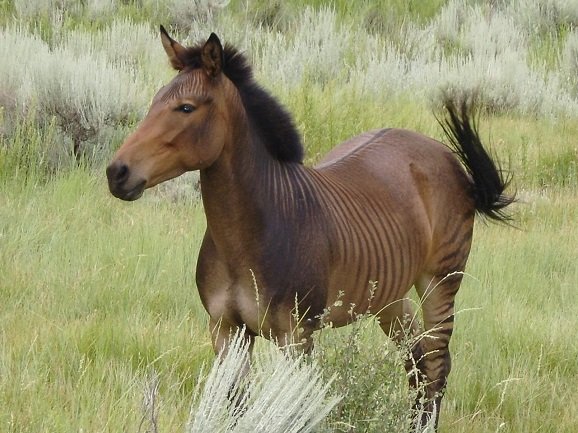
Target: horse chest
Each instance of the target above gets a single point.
(227, 293)
(234, 301)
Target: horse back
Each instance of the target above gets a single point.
(403, 167)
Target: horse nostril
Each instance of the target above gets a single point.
(122, 173)
(117, 172)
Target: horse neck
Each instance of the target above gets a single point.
(245, 189)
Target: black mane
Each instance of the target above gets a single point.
(273, 122)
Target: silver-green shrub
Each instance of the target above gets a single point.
(570, 61)
(280, 393)
(96, 80)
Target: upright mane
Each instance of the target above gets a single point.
(272, 121)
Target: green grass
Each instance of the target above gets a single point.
(93, 301)
(515, 358)
(98, 296)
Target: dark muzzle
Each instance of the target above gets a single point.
(120, 183)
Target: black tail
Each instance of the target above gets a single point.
(489, 181)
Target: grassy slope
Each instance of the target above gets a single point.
(97, 294)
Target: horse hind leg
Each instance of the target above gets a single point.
(431, 360)
(401, 325)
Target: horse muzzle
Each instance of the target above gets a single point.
(122, 183)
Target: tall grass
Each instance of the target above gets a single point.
(521, 286)
(98, 296)
(86, 317)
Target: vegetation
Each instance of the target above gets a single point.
(281, 392)
(99, 311)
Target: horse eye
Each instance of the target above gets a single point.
(186, 108)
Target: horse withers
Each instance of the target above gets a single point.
(389, 206)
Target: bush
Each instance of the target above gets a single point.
(353, 382)
(369, 374)
(95, 79)
(92, 98)
(545, 15)
(570, 61)
(280, 394)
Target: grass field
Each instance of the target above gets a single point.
(98, 297)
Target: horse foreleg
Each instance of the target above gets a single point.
(222, 334)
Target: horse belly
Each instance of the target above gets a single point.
(351, 295)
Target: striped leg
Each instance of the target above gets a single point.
(431, 353)
(403, 324)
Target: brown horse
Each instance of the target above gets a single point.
(389, 206)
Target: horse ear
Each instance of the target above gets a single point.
(174, 50)
(212, 56)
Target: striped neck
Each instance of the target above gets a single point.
(250, 196)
